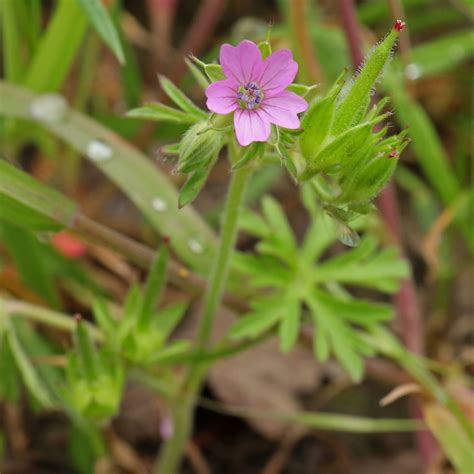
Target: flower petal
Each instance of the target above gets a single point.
(251, 126)
(281, 109)
(242, 63)
(222, 96)
(278, 71)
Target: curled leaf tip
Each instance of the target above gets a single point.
(399, 25)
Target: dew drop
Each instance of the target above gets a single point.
(49, 108)
(413, 71)
(159, 205)
(98, 150)
(347, 236)
(195, 246)
(166, 427)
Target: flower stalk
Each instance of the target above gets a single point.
(182, 408)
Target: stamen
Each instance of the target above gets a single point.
(250, 95)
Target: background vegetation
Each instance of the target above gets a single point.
(87, 195)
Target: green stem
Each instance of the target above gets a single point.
(182, 408)
(44, 316)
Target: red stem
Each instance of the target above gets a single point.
(199, 33)
(406, 300)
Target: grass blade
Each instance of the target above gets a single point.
(104, 25)
(57, 48)
(140, 180)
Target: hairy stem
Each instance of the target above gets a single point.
(183, 406)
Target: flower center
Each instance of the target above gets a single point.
(250, 96)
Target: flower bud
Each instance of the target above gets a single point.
(198, 148)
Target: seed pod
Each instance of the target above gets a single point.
(363, 84)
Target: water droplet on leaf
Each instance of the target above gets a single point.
(413, 71)
(159, 205)
(49, 108)
(347, 236)
(195, 246)
(98, 150)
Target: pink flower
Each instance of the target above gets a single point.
(256, 90)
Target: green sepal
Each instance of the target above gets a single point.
(341, 147)
(198, 148)
(254, 151)
(214, 72)
(302, 89)
(317, 122)
(265, 48)
(192, 187)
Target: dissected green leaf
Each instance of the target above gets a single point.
(297, 280)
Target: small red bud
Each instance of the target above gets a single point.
(399, 25)
(69, 246)
(166, 240)
(393, 153)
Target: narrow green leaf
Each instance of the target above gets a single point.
(103, 316)
(9, 388)
(278, 222)
(28, 371)
(160, 112)
(289, 326)
(129, 169)
(198, 75)
(12, 51)
(87, 352)
(253, 324)
(355, 310)
(99, 17)
(154, 286)
(26, 201)
(180, 99)
(58, 47)
(192, 187)
(29, 256)
(169, 317)
(450, 434)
